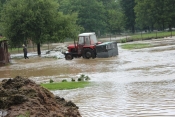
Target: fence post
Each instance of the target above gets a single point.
(110, 37)
(48, 45)
(33, 46)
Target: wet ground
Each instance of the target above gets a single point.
(136, 83)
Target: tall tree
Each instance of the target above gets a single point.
(2, 2)
(128, 9)
(36, 20)
(115, 17)
(90, 13)
(145, 15)
(115, 21)
(169, 14)
(157, 13)
(91, 16)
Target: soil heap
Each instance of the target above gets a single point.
(23, 97)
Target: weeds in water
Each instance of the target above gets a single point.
(83, 78)
(64, 80)
(64, 84)
(73, 80)
(123, 41)
(87, 78)
(51, 81)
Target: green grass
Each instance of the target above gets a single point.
(153, 35)
(65, 85)
(135, 46)
(15, 50)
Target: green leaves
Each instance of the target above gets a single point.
(37, 20)
(128, 9)
(115, 22)
(93, 15)
(153, 13)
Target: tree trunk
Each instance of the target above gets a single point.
(163, 25)
(133, 29)
(152, 27)
(38, 49)
(170, 29)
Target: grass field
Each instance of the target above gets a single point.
(135, 46)
(152, 35)
(15, 50)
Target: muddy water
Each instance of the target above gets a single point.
(137, 83)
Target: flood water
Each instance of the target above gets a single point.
(136, 83)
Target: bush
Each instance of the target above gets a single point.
(73, 80)
(123, 41)
(64, 80)
(51, 81)
(87, 78)
(83, 77)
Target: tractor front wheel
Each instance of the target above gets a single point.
(88, 53)
(68, 57)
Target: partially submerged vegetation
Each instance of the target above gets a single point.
(81, 82)
(65, 85)
(135, 46)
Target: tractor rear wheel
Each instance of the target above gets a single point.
(88, 53)
(68, 57)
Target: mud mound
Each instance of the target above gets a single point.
(23, 97)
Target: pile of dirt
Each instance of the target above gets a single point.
(23, 97)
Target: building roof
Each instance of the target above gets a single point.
(87, 34)
(3, 39)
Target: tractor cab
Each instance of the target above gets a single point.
(86, 40)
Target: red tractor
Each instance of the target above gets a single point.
(85, 47)
(88, 47)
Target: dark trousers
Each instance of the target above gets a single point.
(25, 56)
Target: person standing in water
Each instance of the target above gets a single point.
(25, 51)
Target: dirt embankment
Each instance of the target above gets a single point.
(21, 96)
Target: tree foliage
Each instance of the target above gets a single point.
(37, 20)
(95, 15)
(128, 9)
(55, 20)
(155, 13)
